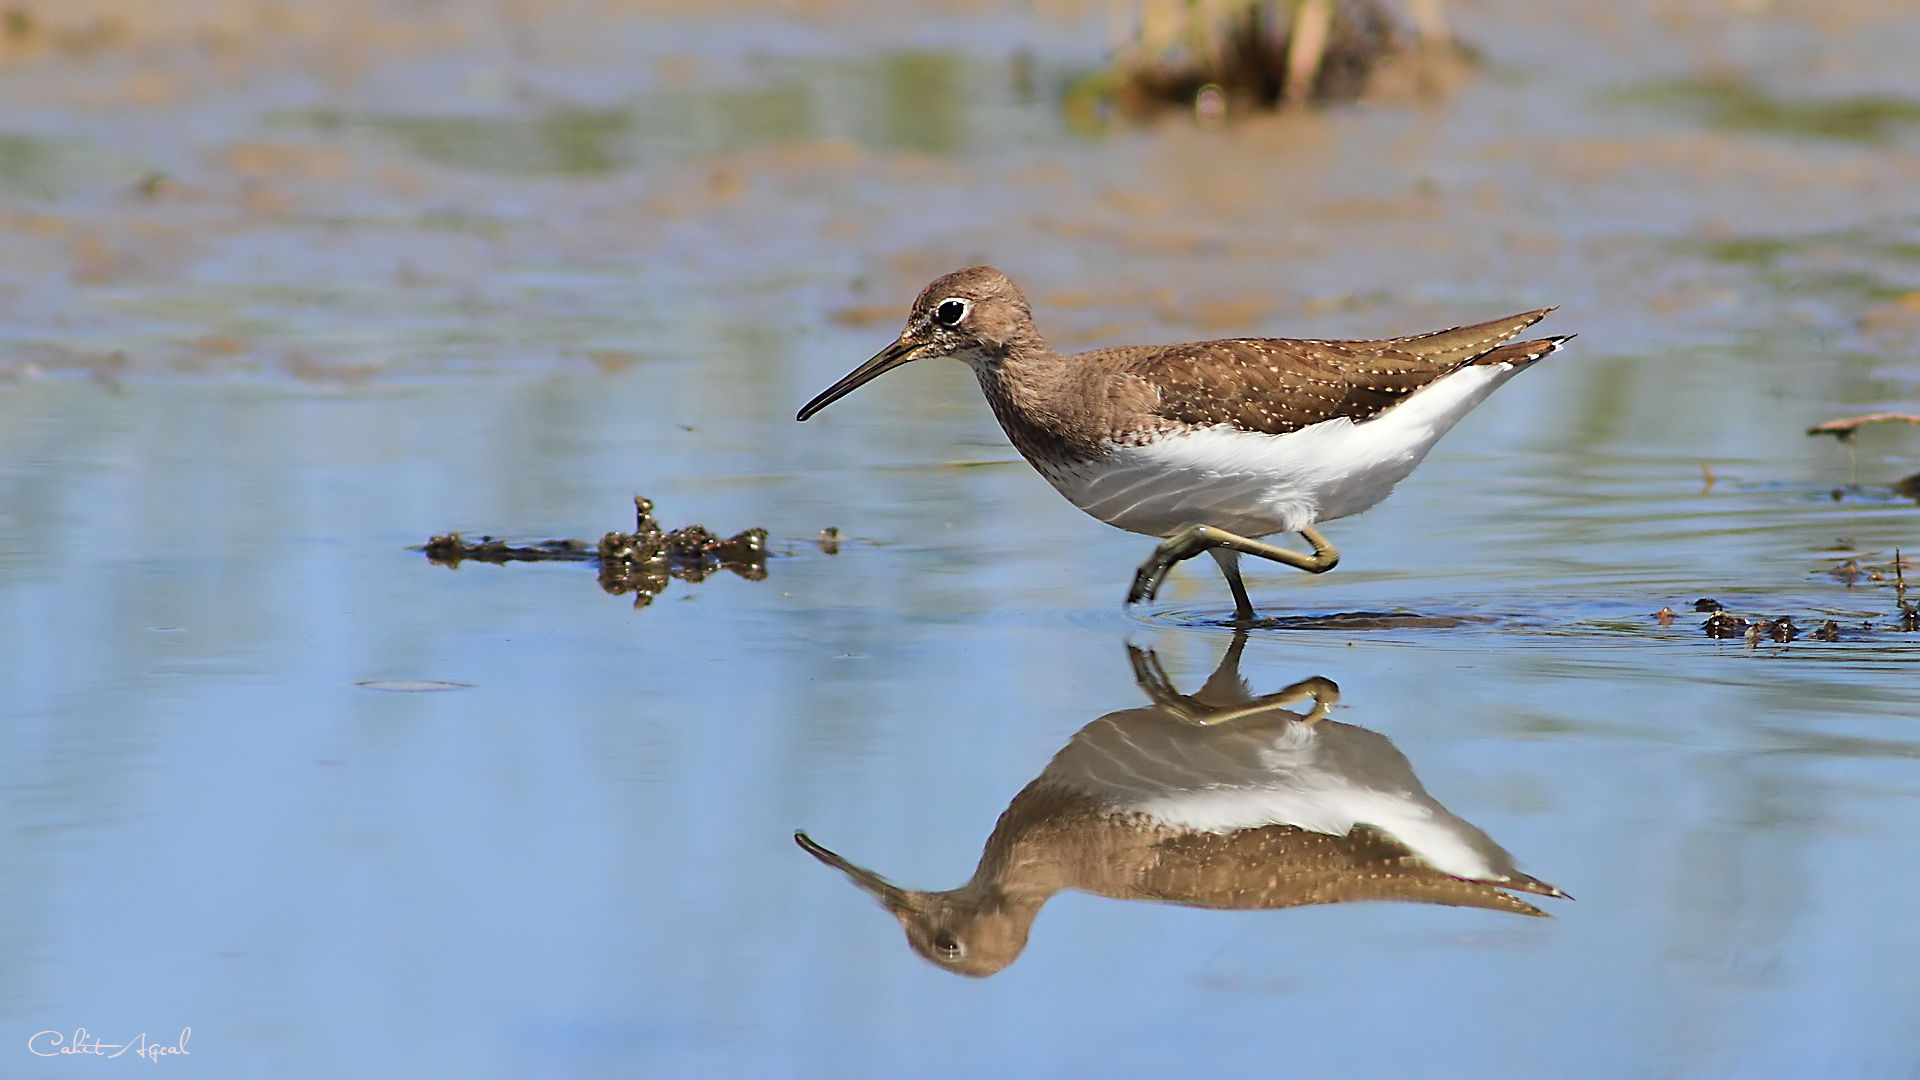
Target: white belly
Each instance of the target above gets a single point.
(1255, 485)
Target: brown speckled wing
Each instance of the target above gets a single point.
(1275, 385)
(1283, 866)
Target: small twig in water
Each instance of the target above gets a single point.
(1845, 428)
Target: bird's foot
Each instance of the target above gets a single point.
(1147, 579)
(1179, 547)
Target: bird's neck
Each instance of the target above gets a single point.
(1029, 387)
(1052, 838)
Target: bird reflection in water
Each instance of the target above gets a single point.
(1218, 799)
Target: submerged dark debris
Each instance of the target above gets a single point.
(640, 562)
(1781, 630)
(1365, 620)
(1874, 495)
(1722, 624)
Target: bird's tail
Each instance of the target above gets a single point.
(1522, 353)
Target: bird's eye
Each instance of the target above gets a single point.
(950, 948)
(950, 312)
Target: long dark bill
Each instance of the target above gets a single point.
(891, 896)
(888, 358)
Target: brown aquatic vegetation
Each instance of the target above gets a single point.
(1234, 56)
(641, 562)
(1852, 572)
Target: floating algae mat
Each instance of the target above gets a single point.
(640, 562)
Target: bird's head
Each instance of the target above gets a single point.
(971, 930)
(976, 315)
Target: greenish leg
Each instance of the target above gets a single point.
(1195, 539)
(1229, 561)
(1323, 692)
(1224, 698)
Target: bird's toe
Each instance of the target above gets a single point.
(1146, 583)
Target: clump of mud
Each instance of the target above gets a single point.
(1219, 59)
(641, 562)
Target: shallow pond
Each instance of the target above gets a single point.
(269, 321)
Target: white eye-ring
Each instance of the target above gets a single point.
(951, 311)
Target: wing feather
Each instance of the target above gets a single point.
(1278, 385)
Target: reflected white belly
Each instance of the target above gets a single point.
(1255, 484)
(1329, 804)
(1286, 779)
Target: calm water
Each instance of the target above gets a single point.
(272, 776)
